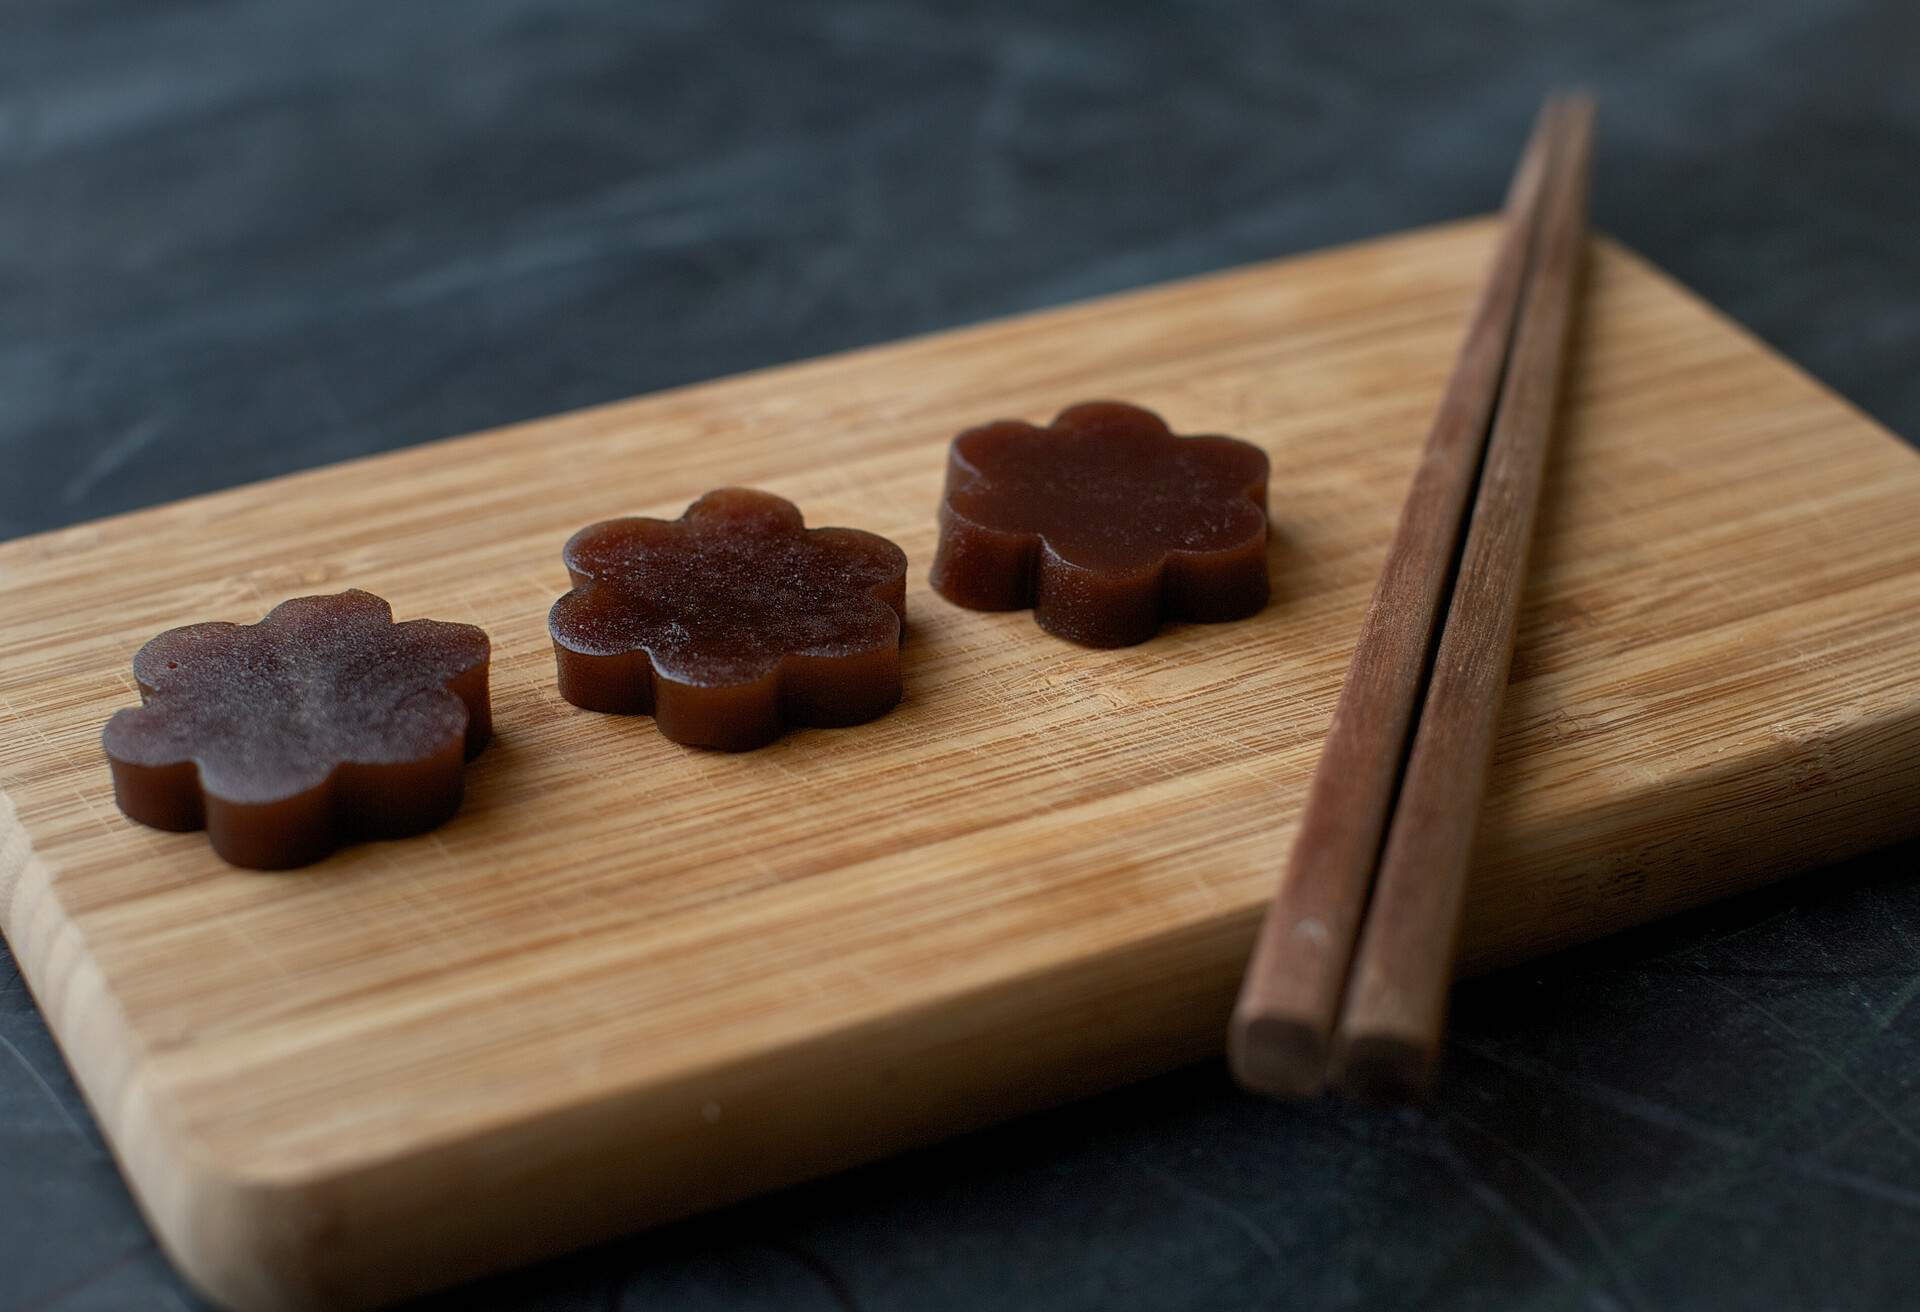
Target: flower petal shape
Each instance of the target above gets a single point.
(323, 724)
(732, 623)
(1105, 523)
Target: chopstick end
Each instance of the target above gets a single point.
(1278, 1056)
(1383, 1068)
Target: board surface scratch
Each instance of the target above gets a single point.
(632, 980)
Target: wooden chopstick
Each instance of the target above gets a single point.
(1395, 1007)
(1282, 1027)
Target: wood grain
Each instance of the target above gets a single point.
(1282, 1028)
(632, 980)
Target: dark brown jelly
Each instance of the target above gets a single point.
(732, 623)
(323, 724)
(1105, 523)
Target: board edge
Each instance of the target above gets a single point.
(257, 1240)
(201, 1214)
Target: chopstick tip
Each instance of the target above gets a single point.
(1383, 1068)
(1577, 104)
(1277, 1056)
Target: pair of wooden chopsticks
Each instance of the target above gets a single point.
(1390, 819)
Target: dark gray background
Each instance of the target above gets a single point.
(242, 239)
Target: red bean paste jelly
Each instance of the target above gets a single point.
(1105, 523)
(732, 623)
(323, 724)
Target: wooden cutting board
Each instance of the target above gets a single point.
(632, 980)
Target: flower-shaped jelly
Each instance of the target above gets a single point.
(1105, 523)
(732, 623)
(323, 724)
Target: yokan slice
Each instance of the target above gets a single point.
(1105, 523)
(732, 623)
(323, 724)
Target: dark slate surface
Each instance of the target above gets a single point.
(241, 239)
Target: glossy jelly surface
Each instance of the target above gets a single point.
(732, 623)
(1105, 523)
(323, 724)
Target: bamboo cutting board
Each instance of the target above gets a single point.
(632, 980)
